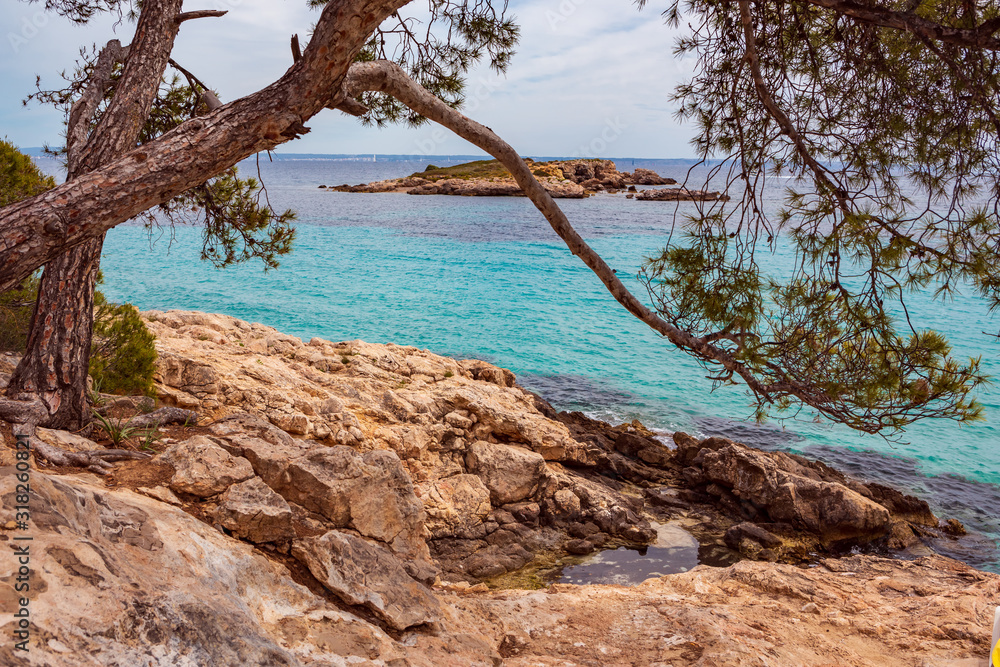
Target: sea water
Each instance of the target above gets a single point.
(487, 278)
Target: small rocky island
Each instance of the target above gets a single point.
(351, 503)
(566, 179)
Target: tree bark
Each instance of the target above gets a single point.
(36, 230)
(55, 364)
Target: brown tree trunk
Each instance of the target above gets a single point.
(56, 363)
(54, 367)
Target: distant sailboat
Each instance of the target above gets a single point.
(373, 157)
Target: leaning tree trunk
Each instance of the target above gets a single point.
(54, 367)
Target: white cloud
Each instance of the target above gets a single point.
(582, 67)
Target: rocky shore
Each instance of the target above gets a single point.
(568, 179)
(351, 503)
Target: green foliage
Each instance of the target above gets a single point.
(123, 356)
(118, 429)
(238, 223)
(890, 144)
(16, 307)
(19, 178)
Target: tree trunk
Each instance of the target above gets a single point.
(56, 363)
(54, 367)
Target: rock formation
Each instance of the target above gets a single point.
(573, 179)
(339, 503)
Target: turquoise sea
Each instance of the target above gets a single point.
(487, 278)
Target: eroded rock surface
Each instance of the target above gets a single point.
(362, 471)
(369, 575)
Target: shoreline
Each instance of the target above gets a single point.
(344, 495)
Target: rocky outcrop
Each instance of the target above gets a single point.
(329, 484)
(160, 588)
(807, 501)
(387, 440)
(570, 179)
(501, 188)
(680, 194)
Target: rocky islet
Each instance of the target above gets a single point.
(565, 179)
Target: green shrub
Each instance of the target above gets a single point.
(19, 177)
(123, 356)
(16, 307)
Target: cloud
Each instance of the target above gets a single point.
(581, 66)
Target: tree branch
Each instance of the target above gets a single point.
(84, 108)
(207, 96)
(387, 77)
(200, 14)
(35, 230)
(980, 37)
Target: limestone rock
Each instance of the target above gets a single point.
(456, 506)
(370, 493)
(830, 510)
(368, 575)
(510, 473)
(203, 468)
(251, 510)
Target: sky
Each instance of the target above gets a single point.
(591, 78)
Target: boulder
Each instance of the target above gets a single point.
(368, 575)
(203, 468)
(826, 509)
(510, 473)
(456, 506)
(371, 493)
(252, 511)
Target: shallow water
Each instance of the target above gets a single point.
(487, 278)
(675, 550)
